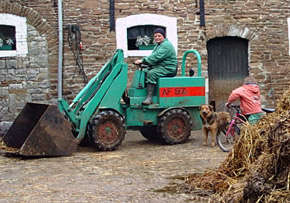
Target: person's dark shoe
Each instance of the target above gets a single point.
(150, 89)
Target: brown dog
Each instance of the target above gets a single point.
(212, 122)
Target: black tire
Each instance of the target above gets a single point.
(107, 130)
(224, 142)
(150, 133)
(86, 141)
(175, 126)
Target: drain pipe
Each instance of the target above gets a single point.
(206, 91)
(60, 50)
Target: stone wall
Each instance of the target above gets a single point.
(264, 23)
(25, 79)
(31, 77)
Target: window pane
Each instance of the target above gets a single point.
(7, 38)
(141, 37)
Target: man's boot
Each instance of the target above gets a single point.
(150, 89)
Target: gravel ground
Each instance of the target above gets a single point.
(129, 174)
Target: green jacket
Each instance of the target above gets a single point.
(163, 55)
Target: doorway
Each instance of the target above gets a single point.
(227, 67)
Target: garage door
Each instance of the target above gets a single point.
(227, 67)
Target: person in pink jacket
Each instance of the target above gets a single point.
(250, 100)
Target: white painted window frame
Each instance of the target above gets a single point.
(122, 24)
(288, 20)
(20, 32)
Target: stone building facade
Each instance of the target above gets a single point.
(30, 74)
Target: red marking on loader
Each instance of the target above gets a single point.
(181, 91)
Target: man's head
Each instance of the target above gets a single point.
(159, 35)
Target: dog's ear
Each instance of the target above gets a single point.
(200, 107)
(211, 107)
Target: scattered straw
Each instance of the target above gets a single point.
(257, 169)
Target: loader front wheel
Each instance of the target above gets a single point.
(175, 126)
(107, 130)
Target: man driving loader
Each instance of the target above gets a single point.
(162, 63)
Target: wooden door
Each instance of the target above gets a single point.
(227, 67)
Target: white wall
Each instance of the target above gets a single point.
(21, 34)
(144, 19)
(289, 33)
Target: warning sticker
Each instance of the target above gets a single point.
(181, 91)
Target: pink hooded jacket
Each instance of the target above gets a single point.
(249, 95)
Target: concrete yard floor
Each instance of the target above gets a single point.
(129, 174)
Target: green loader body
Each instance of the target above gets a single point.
(105, 108)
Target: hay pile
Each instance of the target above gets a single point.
(258, 167)
(5, 149)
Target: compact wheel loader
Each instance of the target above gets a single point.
(105, 108)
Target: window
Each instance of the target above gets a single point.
(289, 33)
(7, 37)
(136, 27)
(13, 35)
(141, 37)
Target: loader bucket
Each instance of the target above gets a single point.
(40, 130)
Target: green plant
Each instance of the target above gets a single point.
(143, 41)
(5, 41)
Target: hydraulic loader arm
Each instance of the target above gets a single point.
(86, 103)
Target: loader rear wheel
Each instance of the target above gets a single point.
(107, 130)
(151, 133)
(175, 126)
